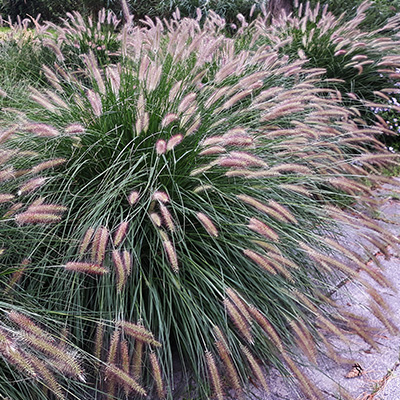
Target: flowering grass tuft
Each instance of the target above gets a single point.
(185, 186)
(359, 65)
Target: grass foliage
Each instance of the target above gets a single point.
(178, 204)
(361, 65)
(22, 55)
(78, 36)
(378, 12)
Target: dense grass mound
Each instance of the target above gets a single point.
(361, 65)
(180, 205)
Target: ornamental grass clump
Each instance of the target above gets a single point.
(78, 35)
(378, 12)
(22, 55)
(361, 65)
(183, 206)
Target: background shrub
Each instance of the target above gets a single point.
(54, 10)
(49, 10)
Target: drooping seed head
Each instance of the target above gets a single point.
(99, 339)
(167, 218)
(155, 366)
(133, 197)
(267, 327)
(120, 233)
(263, 229)
(139, 332)
(31, 185)
(27, 325)
(42, 130)
(127, 260)
(7, 133)
(239, 303)
(48, 164)
(7, 174)
(156, 219)
(125, 379)
(43, 373)
(171, 117)
(119, 270)
(137, 360)
(113, 348)
(174, 141)
(254, 365)
(74, 129)
(186, 102)
(95, 102)
(86, 268)
(5, 198)
(207, 224)
(239, 320)
(37, 218)
(161, 146)
(214, 375)
(100, 244)
(260, 260)
(229, 368)
(161, 196)
(171, 255)
(65, 361)
(86, 241)
(212, 151)
(46, 209)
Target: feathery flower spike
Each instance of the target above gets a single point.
(120, 233)
(133, 197)
(86, 268)
(125, 379)
(171, 254)
(138, 332)
(174, 141)
(161, 146)
(86, 241)
(31, 185)
(157, 375)
(113, 348)
(37, 218)
(255, 368)
(214, 375)
(119, 270)
(239, 320)
(127, 260)
(207, 224)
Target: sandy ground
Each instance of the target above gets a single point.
(380, 379)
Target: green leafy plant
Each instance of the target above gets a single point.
(178, 207)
